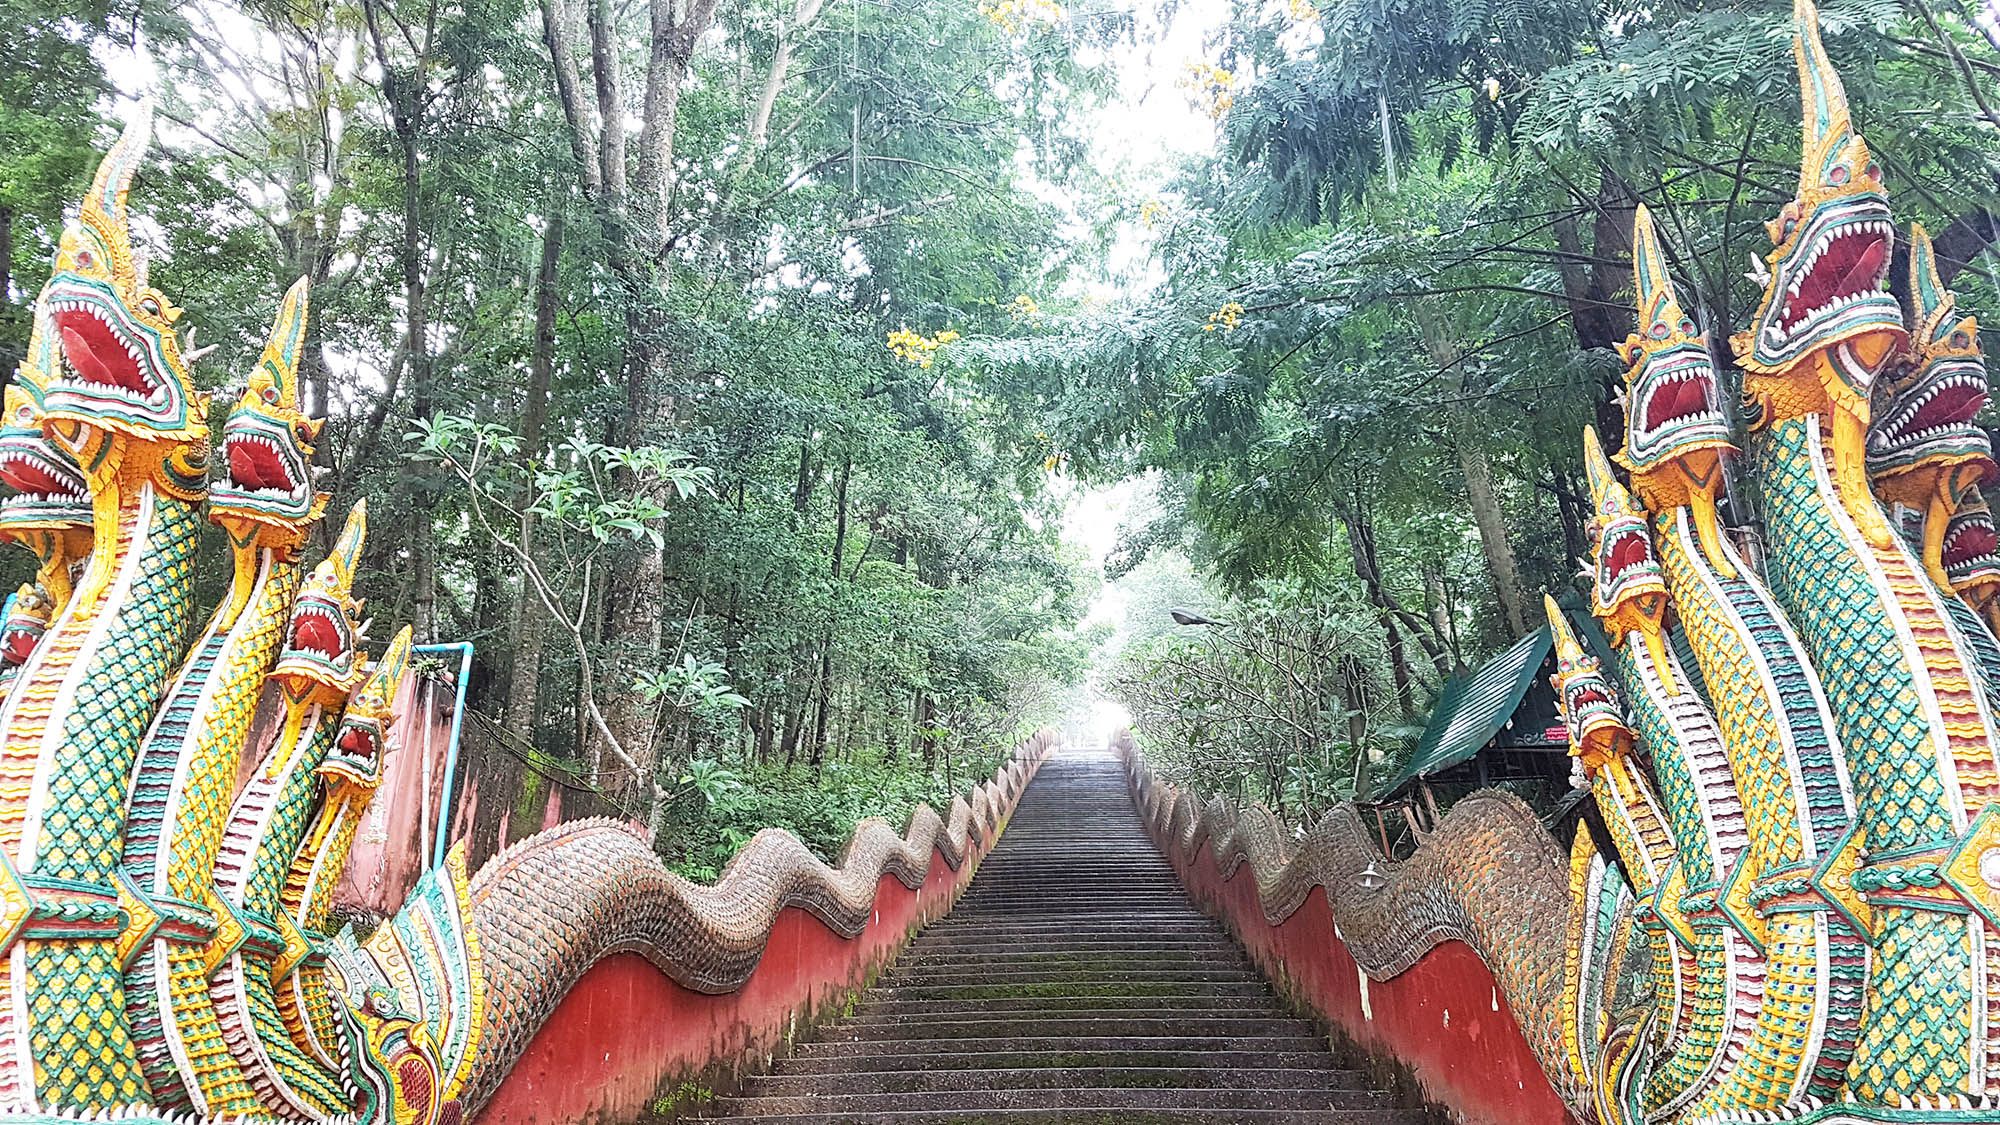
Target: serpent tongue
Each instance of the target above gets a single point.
(77, 350)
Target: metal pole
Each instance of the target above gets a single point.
(464, 651)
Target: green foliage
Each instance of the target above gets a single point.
(717, 810)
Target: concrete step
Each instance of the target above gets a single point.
(948, 1101)
(853, 1048)
(1103, 1115)
(878, 1007)
(1073, 983)
(810, 1063)
(906, 1081)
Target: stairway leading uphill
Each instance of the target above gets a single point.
(1073, 983)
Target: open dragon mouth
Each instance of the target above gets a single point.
(1584, 696)
(18, 641)
(358, 741)
(1941, 409)
(1848, 263)
(317, 630)
(104, 355)
(1970, 543)
(1687, 397)
(1679, 388)
(114, 368)
(1830, 287)
(40, 481)
(257, 464)
(266, 474)
(1626, 549)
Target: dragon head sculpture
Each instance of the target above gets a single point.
(391, 1061)
(48, 490)
(23, 619)
(1675, 433)
(1826, 324)
(265, 495)
(123, 372)
(1628, 591)
(319, 661)
(1970, 555)
(47, 508)
(1924, 450)
(412, 1004)
(1589, 704)
(355, 762)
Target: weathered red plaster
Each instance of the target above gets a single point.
(626, 1029)
(1443, 1019)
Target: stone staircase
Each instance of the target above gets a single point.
(1073, 983)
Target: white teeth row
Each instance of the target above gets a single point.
(1933, 432)
(1776, 334)
(1968, 380)
(73, 483)
(157, 398)
(1846, 230)
(133, 348)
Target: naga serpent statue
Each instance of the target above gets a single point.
(1790, 737)
(167, 880)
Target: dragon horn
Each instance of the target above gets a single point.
(104, 208)
(1568, 651)
(1657, 303)
(1597, 471)
(346, 553)
(281, 350)
(1929, 304)
(395, 659)
(1828, 127)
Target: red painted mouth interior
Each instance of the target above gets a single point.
(96, 354)
(1852, 263)
(16, 645)
(256, 465)
(1952, 406)
(357, 743)
(1969, 542)
(1677, 400)
(1628, 552)
(1586, 695)
(316, 633)
(27, 475)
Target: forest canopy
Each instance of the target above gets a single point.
(728, 373)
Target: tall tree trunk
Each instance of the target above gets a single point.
(559, 38)
(403, 94)
(527, 632)
(8, 358)
(1488, 517)
(1467, 439)
(1368, 568)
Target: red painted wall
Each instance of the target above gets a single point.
(626, 1030)
(1443, 1019)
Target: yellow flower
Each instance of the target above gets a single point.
(1151, 212)
(1225, 318)
(1209, 86)
(1024, 308)
(912, 347)
(1014, 16)
(1303, 11)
